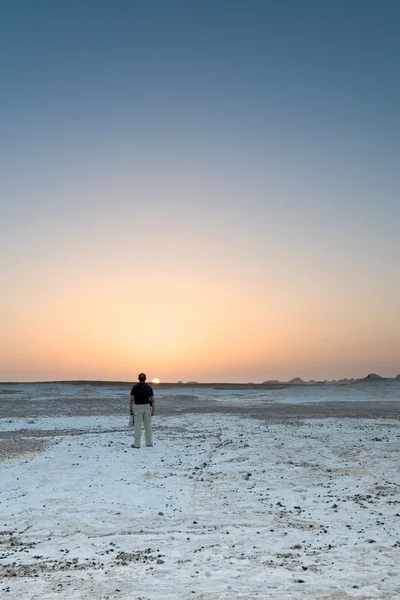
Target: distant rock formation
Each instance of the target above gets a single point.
(372, 376)
(397, 377)
(270, 381)
(296, 381)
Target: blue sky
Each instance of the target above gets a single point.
(250, 146)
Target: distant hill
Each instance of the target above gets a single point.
(372, 376)
(296, 381)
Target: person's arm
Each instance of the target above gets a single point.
(153, 406)
(132, 402)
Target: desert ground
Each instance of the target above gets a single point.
(235, 500)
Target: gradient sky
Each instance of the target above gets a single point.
(201, 190)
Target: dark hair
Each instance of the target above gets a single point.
(142, 376)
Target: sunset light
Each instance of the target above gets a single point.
(212, 228)
(206, 190)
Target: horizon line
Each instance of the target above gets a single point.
(269, 382)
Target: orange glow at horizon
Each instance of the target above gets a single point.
(192, 325)
(195, 328)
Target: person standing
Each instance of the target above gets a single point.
(142, 406)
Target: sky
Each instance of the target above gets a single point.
(201, 190)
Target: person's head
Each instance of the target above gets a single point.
(142, 377)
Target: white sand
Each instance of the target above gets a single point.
(220, 508)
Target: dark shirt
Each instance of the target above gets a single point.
(142, 393)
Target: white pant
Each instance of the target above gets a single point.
(142, 413)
